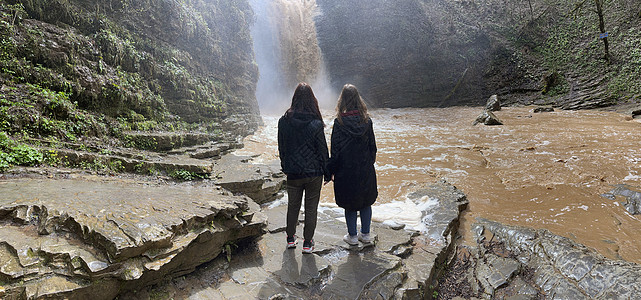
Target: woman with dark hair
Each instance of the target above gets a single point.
(303, 156)
(352, 163)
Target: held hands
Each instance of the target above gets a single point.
(331, 179)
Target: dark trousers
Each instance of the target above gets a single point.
(312, 187)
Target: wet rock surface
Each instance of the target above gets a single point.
(632, 198)
(400, 264)
(238, 174)
(84, 239)
(493, 104)
(487, 118)
(512, 261)
(542, 109)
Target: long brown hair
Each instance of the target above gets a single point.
(350, 100)
(304, 101)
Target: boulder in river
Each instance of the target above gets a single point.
(493, 104)
(542, 109)
(487, 118)
(632, 198)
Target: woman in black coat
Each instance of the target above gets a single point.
(352, 163)
(303, 156)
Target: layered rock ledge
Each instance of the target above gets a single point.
(81, 239)
(511, 262)
(402, 264)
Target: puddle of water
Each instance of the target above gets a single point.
(538, 170)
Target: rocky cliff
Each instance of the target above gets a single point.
(443, 53)
(73, 69)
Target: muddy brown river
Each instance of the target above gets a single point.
(541, 170)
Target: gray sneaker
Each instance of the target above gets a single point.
(366, 238)
(351, 239)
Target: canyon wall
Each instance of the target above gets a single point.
(128, 64)
(440, 53)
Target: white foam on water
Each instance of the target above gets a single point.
(442, 157)
(408, 212)
(450, 171)
(393, 167)
(544, 153)
(282, 200)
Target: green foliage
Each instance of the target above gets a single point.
(228, 249)
(14, 153)
(52, 158)
(139, 167)
(186, 175)
(140, 142)
(554, 84)
(39, 111)
(624, 84)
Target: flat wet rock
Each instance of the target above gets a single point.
(95, 239)
(400, 264)
(632, 198)
(237, 174)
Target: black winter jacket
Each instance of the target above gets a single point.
(302, 146)
(352, 163)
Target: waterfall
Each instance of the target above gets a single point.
(287, 52)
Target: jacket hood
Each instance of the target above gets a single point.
(300, 120)
(354, 126)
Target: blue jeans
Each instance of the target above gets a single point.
(366, 220)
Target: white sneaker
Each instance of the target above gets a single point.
(351, 239)
(366, 238)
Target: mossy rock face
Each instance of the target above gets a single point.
(123, 65)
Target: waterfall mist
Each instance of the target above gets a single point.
(287, 52)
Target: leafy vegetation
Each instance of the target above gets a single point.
(186, 175)
(74, 70)
(573, 45)
(15, 153)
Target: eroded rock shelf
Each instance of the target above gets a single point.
(78, 238)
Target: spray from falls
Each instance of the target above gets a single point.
(287, 52)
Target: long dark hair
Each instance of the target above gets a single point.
(304, 101)
(351, 100)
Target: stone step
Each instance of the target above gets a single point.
(141, 163)
(207, 150)
(166, 141)
(238, 174)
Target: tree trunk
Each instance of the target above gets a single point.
(599, 10)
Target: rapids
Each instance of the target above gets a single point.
(543, 170)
